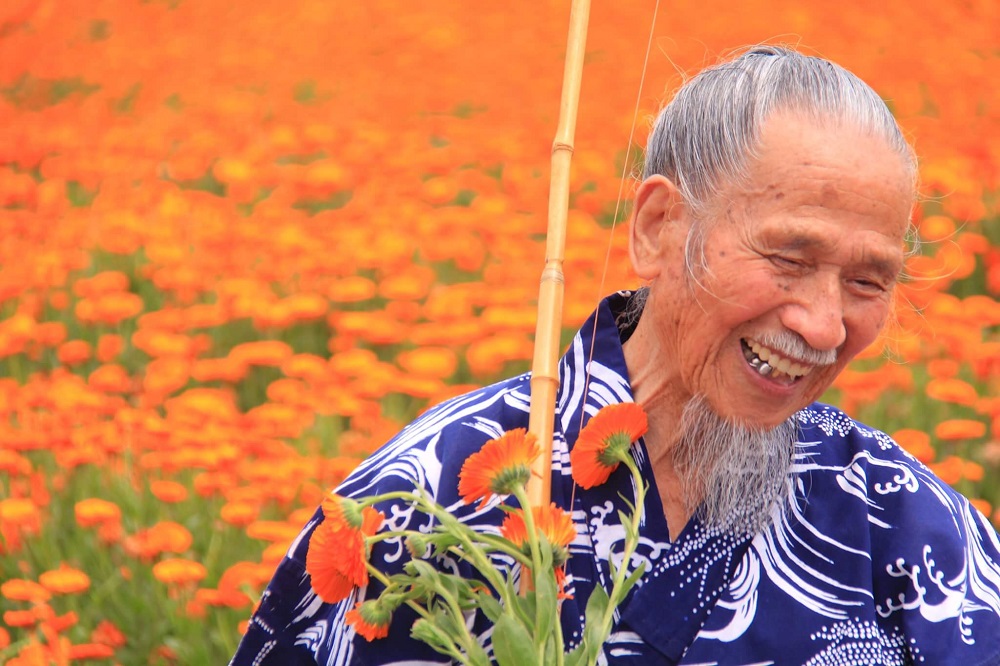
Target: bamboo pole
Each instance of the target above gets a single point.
(545, 364)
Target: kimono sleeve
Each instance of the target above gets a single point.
(293, 626)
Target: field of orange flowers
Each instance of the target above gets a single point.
(242, 243)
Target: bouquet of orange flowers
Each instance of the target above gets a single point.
(526, 626)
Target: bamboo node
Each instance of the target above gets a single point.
(559, 145)
(553, 274)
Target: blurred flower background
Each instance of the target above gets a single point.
(241, 244)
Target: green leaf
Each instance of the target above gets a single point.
(550, 650)
(628, 503)
(489, 605)
(528, 604)
(448, 623)
(575, 657)
(477, 655)
(632, 578)
(442, 541)
(546, 597)
(424, 570)
(594, 633)
(520, 604)
(546, 547)
(626, 521)
(426, 631)
(512, 644)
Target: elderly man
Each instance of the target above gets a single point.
(770, 227)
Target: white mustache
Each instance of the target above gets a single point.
(791, 346)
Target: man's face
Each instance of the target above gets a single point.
(801, 265)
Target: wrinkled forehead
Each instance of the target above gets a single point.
(802, 161)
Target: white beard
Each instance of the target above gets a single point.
(740, 473)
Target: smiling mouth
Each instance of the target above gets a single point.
(770, 364)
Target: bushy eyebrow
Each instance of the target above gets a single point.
(814, 241)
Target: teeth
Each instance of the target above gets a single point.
(768, 363)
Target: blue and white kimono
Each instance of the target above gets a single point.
(874, 560)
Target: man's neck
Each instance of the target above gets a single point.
(653, 389)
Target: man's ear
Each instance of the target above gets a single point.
(659, 226)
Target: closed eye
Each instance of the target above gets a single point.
(786, 262)
(868, 286)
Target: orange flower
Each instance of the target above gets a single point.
(20, 618)
(166, 375)
(65, 580)
(555, 523)
(19, 511)
(168, 491)
(951, 389)
(14, 463)
(95, 511)
(61, 623)
(502, 465)
(604, 442)
(83, 651)
(982, 505)
(239, 514)
(179, 572)
(337, 555)
(958, 429)
(109, 346)
(110, 378)
(164, 536)
(370, 619)
(73, 352)
(273, 530)
(433, 362)
(917, 442)
(561, 582)
(19, 589)
(352, 289)
(112, 309)
(50, 333)
(105, 282)
(107, 633)
(261, 352)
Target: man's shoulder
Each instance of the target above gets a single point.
(820, 422)
(871, 524)
(863, 477)
(830, 435)
(431, 449)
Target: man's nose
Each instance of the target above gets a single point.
(818, 316)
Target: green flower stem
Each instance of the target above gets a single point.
(631, 543)
(389, 584)
(560, 647)
(453, 651)
(536, 561)
(501, 545)
(466, 638)
(471, 552)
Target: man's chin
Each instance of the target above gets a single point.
(754, 417)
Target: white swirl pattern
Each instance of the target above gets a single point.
(873, 560)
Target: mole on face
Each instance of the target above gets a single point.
(829, 195)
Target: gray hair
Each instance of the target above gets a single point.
(707, 135)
